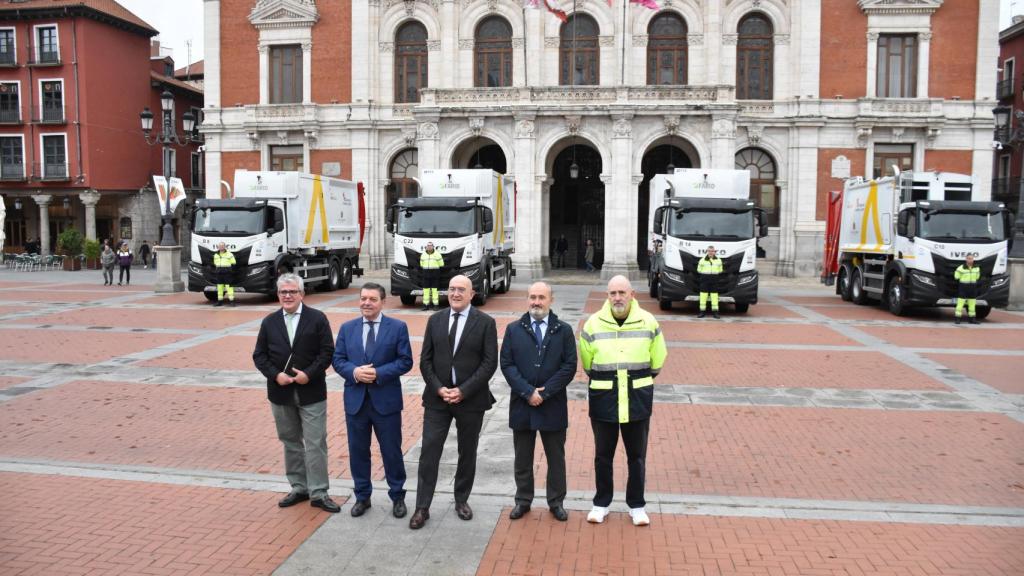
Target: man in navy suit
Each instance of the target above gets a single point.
(371, 353)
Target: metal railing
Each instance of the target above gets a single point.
(46, 171)
(1006, 190)
(48, 114)
(44, 58)
(10, 115)
(12, 171)
(7, 58)
(1004, 89)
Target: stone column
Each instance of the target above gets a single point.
(43, 200)
(530, 223)
(723, 141)
(543, 184)
(787, 221)
(427, 137)
(381, 250)
(89, 199)
(620, 204)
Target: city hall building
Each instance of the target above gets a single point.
(586, 106)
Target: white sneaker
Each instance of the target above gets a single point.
(597, 514)
(639, 517)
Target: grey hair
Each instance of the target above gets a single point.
(290, 278)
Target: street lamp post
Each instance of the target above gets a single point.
(168, 251)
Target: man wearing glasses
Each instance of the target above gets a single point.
(293, 350)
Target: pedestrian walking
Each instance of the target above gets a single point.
(144, 251)
(431, 263)
(124, 261)
(622, 349)
(588, 256)
(107, 261)
(224, 272)
(709, 274)
(294, 347)
(459, 356)
(538, 360)
(561, 247)
(371, 354)
(967, 276)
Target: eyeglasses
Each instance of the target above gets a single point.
(287, 292)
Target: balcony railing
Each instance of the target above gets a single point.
(10, 172)
(44, 59)
(48, 114)
(50, 171)
(10, 115)
(1004, 89)
(8, 59)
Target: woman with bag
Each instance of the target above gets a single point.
(124, 260)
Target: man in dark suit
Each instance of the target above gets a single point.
(538, 359)
(372, 352)
(293, 350)
(459, 356)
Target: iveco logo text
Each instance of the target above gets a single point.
(961, 254)
(718, 251)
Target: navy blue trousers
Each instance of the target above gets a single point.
(388, 430)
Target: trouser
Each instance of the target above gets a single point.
(634, 439)
(126, 271)
(303, 432)
(430, 297)
(436, 423)
(704, 300)
(559, 259)
(971, 302)
(221, 288)
(108, 274)
(145, 259)
(524, 441)
(431, 280)
(388, 429)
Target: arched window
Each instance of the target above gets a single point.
(666, 50)
(492, 53)
(404, 168)
(410, 62)
(763, 190)
(579, 40)
(754, 54)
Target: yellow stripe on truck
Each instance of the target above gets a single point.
(317, 202)
(871, 205)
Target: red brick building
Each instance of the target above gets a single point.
(1008, 138)
(74, 76)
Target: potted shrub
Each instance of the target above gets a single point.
(69, 243)
(92, 254)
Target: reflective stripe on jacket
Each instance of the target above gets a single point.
(710, 266)
(223, 260)
(966, 275)
(431, 261)
(622, 362)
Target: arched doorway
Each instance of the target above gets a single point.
(404, 168)
(576, 207)
(480, 153)
(661, 159)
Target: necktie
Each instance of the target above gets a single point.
(452, 332)
(290, 322)
(371, 342)
(537, 335)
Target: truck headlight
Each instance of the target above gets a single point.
(400, 273)
(257, 270)
(674, 277)
(746, 279)
(194, 268)
(471, 272)
(997, 282)
(925, 279)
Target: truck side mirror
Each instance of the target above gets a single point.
(389, 219)
(659, 221)
(488, 220)
(901, 223)
(762, 230)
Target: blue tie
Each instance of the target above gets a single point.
(371, 343)
(537, 333)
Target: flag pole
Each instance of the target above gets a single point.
(622, 75)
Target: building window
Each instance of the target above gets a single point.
(889, 156)
(410, 62)
(666, 50)
(897, 66)
(404, 168)
(170, 158)
(14, 228)
(285, 74)
(8, 54)
(492, 53)
(286, 159)
(12, 158)
(197, 113)
(55, 163)
(197, 170)
(763, 190)
(47, 45)
(578, 51)
(1004, 89)
(754, 58)
(10, 103)
(51, 96)
(126, 228)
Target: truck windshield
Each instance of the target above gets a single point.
(699, 224)
(225, 222)
(436, 222)
(962, 227)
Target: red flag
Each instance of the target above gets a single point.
(558, 13)
(645, 3)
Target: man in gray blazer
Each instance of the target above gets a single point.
(459, 356)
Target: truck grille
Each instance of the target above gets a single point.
(730, 270)
(206, 261)
(945, 268)
(449, 269)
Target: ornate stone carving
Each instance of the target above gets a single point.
(525, 128)
(476, 124)
(282, 136)
(931, 135)
(730, 39)
(492, 5)
(754, 134)
(671, 124)
(640, 40)
(897, 7)
(925, 36)
(254, 140)
(572, 124)
(409, 135)
(622, 128)
(552, 42)
(636, 179)
(466, 43)
(427, 131)
(262, 49)
(518, 42)
(272, 14)
(863, 135)
(311, 136)
(307, 46)
(433, 45)
(897, 133)
(872, 36)
(723, 128)
(781, 39)
(695, 39)
(608, 40)
(386, 47)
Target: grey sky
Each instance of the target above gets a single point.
(177, 21)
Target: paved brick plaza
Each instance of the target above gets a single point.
(135, 438)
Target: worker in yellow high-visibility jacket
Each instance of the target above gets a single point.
(224, 272)
(622, 349)
(431, 263)
(709, 272)
(967, 276)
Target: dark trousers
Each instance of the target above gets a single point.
(435, 430)
(125, 271)
(388, 429)
(524, 442)
(634, 439)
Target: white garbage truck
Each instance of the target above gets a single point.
(470, 217)
(690, 210)
(899, 239)
(279, 222)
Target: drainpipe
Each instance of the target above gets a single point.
(78, 103)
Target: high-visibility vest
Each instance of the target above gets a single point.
(622, 362)
(223, 259)
(709, 265)
(965, 275)
(431, 261)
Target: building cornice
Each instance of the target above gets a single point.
(274, 14)
(894, 7)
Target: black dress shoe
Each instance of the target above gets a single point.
(326, 504)
(425, 308)
(463, 510)
(716, 316)
(702, 314)
(292, 499)
(559, 513)
(398, 509)
(419, 518)
(360, 508)
(518, 511)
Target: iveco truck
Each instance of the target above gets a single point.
(470, 217)
(280, 222)
(692, 209)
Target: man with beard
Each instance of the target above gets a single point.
(622, 349)
(538, 359)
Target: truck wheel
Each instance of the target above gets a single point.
(857, 294)
(652, 279)
(742, 307)
(843, 287)
(506, 279)
(210, 295)
(981, 312)
(334, 276)
(480, 298)
(895, 296)
(407, 300)
(346, 274)
(663, 303)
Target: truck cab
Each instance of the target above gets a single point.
(252, 229)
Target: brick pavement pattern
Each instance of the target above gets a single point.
(1004, 373)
